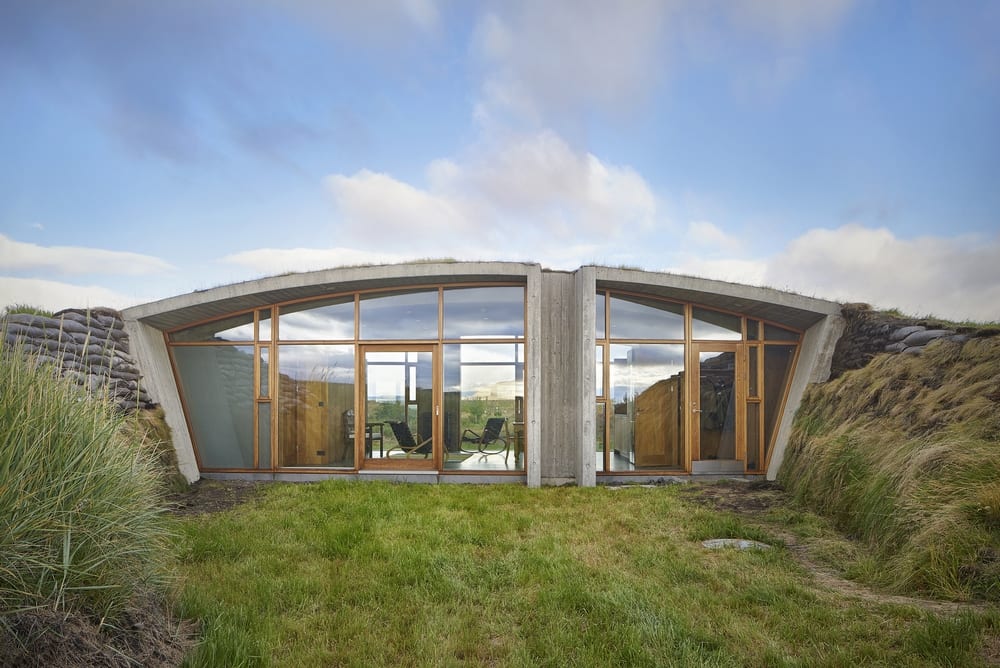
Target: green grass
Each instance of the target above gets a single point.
(903, 455)
(342, 573)
(81, 527)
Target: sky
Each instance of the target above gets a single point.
(842, 149)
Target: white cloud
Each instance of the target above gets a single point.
(558, 55)
(531, 194)
(951, 277)
(55, 296)
(68, 260)
(710, 237)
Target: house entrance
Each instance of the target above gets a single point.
(716, 406)
(399, 408)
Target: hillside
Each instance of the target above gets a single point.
(904, 454)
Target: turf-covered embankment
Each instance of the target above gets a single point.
(904, 454)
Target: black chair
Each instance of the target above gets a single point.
(406, 442)
(490, 435)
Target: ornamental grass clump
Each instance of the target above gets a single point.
(81, 520)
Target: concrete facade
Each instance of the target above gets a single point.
(559, 337)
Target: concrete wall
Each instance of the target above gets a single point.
(815, 356)
(150, 350)
(560, 370)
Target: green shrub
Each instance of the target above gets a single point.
(81, 524)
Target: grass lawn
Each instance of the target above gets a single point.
(342, 573)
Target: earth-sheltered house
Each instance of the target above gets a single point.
(482, 372)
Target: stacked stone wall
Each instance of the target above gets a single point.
(89, 346)
(869, 332)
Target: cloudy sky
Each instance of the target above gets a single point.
(847, 149)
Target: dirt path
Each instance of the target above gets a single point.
(754, 500)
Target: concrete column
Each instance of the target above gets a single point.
(534, 418)
(586, 294)
(815, 357)
(150, 352)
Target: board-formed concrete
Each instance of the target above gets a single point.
(559, 335)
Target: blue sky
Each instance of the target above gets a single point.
(846, 149)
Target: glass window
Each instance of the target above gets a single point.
(315, 405)
(483, 404)
(483, 312)
(753, 330)
(264, 325)
(326, 320)
(647, 391)
(777, 373)
(599, 318)
(234, 328)
(264, 435)
(599, 376)
(599, 434)
(715, 326)
(265, 371)
(402, 316)
(752, 366)
(775, 333)
(643, 318)
(753, 436)
(217, 385)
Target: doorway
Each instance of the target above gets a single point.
(718, 442)
(399, 408)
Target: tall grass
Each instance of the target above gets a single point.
(81, 525)
(904, 455)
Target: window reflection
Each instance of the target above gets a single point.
(483, 312)
(483, 387)
(326, 320)
(315, 405)
(217, 385)
(643, 318)
(715, 326)
(234, 328)
(401, 316)
(647, 391)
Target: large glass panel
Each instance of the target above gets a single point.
(234, 328)
(401, 316)
(717, 405)
(325, 320)
(599, 316)
(753, 387)
(264, 435)
(217, 385)
(399, 404)
(647, 389)
(483, 312)
(600, 429)
(483, 406)
(316, 405)
(642, 318)
(777, 372)
(775, 333)
(715, 326)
